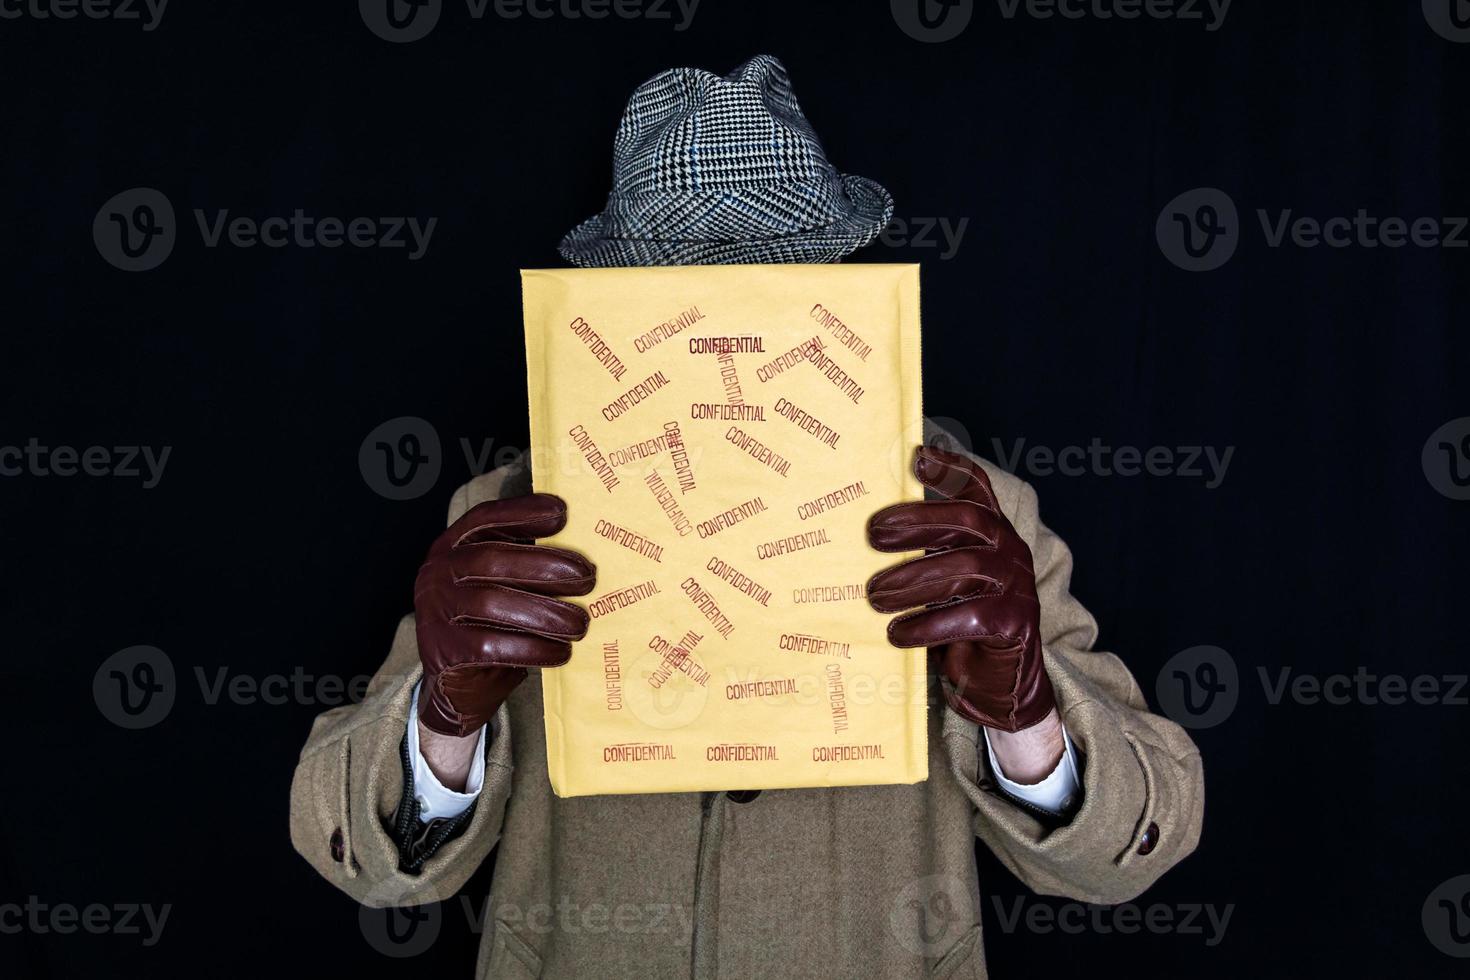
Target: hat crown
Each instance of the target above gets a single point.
(691, 132)
(722, 169)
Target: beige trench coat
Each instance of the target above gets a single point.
(876, 881)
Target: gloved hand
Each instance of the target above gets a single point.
(485, 612)
(978, 588)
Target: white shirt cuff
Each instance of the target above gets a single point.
(1054, 794)
(435, 799)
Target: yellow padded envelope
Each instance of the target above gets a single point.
(721, 435)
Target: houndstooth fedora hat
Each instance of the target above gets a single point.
(710, 170)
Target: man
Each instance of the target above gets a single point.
(1039, 745)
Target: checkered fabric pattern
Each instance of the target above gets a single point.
(710, 170)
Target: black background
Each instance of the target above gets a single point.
(1058, 320)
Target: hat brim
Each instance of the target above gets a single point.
(590, 246)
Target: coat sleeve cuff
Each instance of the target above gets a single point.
(1140, 813)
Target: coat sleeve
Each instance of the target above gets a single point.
(1142, 780)
(346, 818)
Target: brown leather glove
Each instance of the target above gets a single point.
(981, 615)
(484, 609)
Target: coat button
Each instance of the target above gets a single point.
(1150, 839)
(743, 795)
(339, 849)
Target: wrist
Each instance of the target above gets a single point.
(449, 757)
(1031, 754)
